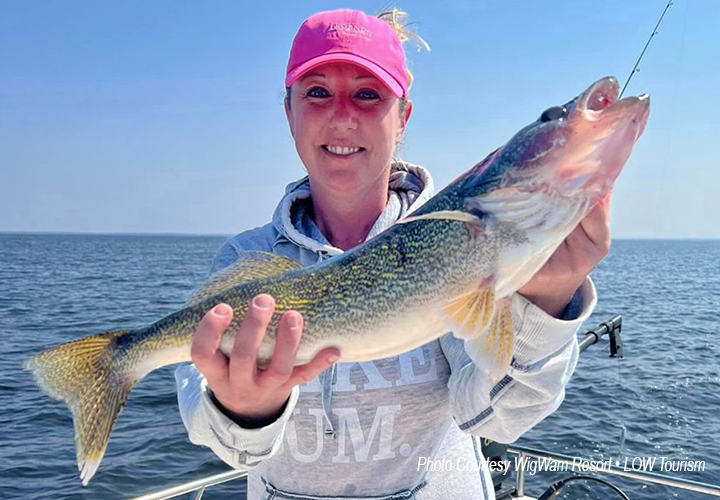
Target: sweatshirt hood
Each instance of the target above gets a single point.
(409, 187)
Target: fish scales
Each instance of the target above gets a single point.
(403, 272)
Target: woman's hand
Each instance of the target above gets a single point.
(245, 391)
(556, 282)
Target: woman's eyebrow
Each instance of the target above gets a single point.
(314, 74)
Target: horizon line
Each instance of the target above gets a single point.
(228, 235)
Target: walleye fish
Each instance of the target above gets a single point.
(450, 266)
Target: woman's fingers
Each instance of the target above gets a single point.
(321, 362)
(237, 383)
(208, 359)
(243, 358)
(240, 371)
(286, 345)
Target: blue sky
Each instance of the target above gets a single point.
(166, 116)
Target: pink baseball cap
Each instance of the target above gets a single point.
(349, 36)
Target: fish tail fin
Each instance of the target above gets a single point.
(89, 376)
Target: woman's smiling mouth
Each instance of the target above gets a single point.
(341, 150)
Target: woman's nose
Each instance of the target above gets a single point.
(344, 116)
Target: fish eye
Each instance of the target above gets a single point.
(554, 113)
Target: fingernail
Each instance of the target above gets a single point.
(293, 322)
(332, 358)
(262, 302)
(221, 310)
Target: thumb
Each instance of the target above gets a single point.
(321, 362)
(605, 202)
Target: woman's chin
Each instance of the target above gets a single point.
(342, 181)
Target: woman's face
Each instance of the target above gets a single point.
(346, 124)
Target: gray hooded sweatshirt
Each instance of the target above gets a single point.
(395, 428)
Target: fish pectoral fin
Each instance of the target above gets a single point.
(250, 266)
(486, 327)
(90, 377)
(492, 350)
(456, 215)
(469, 315)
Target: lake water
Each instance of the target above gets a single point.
(662, 399)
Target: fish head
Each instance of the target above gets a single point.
(557, 168)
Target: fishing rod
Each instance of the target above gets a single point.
(654, 32)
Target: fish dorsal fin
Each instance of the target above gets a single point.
(443, 215)
(250, 266)
(486, 327)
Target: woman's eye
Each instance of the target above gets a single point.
(317, 92)
(368, 95)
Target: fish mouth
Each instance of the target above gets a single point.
(601, 95)
(601, 102)
(604, 129)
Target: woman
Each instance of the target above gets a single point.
(396, 427)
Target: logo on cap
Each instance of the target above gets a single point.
(335, 29)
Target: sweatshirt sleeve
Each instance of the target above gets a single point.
(544, 358)
(206, 424)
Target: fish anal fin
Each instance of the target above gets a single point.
(250, 266)
(492, 350)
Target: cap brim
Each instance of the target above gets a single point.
(373, 68)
